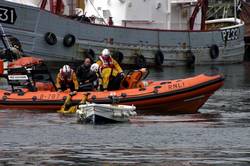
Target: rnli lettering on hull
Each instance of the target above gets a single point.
(7, 15)
(176, 85)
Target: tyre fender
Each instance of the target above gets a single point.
(69, 40)
(140, 61)
(190, 58)
(159, 57)
(214, 51)
(118, 56)
(50, 38)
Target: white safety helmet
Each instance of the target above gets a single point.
(66, 70)
(94, 67)
(78, 12)
(105, 52)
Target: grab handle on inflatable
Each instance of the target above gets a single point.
(1, 66)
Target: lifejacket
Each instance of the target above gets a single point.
(106, 62)
(134, 79)
(66, 78)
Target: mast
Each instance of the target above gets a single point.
(80, 4)
(235, 11)
(56, 6)
(203, 4)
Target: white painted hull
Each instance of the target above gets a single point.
(104, 113)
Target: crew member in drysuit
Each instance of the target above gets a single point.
(87, 79)
(66, 78)
(110, 72)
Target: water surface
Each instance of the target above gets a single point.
(218, 135)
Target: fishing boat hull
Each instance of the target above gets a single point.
(159, 98)
(178, 47)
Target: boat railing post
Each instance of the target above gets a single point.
(235, 12)
(158, 39)
(93, 118)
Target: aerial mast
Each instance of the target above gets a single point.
(203, 4)
(56, 6)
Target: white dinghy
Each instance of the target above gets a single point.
(104, 113)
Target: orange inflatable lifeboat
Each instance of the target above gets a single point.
(150, 97)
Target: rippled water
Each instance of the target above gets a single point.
(218, 135)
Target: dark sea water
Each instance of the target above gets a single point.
(219, 135)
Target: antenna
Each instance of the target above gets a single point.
(235, 11)
(4, 38)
